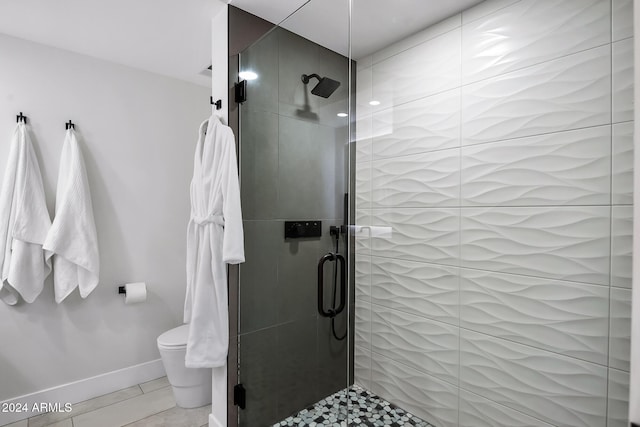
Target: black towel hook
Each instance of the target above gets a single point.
(21, 118)
(69, 125)
(218, 103)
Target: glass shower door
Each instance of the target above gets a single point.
(294, 176)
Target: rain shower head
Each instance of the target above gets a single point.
(325, 86)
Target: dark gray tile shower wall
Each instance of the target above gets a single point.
(292, 167)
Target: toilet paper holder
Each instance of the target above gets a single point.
(121, 290)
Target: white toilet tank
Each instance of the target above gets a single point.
(191, 387)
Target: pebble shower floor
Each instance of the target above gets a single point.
(365, 409)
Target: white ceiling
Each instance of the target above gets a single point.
(173, 37)
(169, 37)
(375, 23)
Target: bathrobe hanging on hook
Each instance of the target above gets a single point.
(214, 239)
(24, 223)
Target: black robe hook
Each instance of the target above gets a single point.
(218, 103)
(69, 125)
(21, 118)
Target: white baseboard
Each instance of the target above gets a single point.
(88, 388)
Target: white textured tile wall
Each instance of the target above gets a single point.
(431, 123)
(418, 180)
(423, 395)
(566, 93)
(618, 404)
(494, 216)
(621, 245)
(562, 168)
(428, 290)
(415, 341)
(554, 242)
(622, 178)
(424, 70)
(622, 19)
(428, 235)
(531, 32)
(562, 317)
(560, 390)
(620, 332)
(622, 57)
(477, 411)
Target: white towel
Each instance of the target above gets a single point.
(72, 237)
(24, 223)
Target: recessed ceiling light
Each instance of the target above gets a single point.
(342, 114)
(374, 102)
(248, 75)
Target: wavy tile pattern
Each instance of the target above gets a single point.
(562, 317)
(621, 246)
(362, 324)
(622, 57)
(429, 68)
(558, 243)
(417, 342)
(620, 333)
(420, 180)
(427, 290)
(420, 37)
(431, 123)
(363, 125)
(622, 19)
(363, 185)
(362, 231)
(427, 397)
(566, 93)
(362, 277)
(362, 367)
(618, 401)
(483, 9)
(550, 387)
(530, 32)
(477, 411)
(622, 178)
(564, 168)
(428, 235)
(499, 208)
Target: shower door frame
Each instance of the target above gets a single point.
(243, 30)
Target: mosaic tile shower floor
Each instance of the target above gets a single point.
(365, 409)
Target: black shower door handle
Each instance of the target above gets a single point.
(343, 289)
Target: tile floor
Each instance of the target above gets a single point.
(364, 408)
(149, 404)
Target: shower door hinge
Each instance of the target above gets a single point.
(239, 396)
(241, 91)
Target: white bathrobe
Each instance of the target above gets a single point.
(214, 239)
(72, 237)
(24, 223)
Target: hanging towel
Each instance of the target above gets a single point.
(24, 223)
(214, 237)
(72, 239)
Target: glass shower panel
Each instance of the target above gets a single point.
(293, 167)
(493, 231)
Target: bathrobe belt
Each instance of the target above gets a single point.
(210, 219)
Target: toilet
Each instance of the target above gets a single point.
(191, 387)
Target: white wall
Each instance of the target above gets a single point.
(138, 131)
(500, 156)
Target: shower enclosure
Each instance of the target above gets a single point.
(487, 160)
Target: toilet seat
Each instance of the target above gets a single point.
(175, 338)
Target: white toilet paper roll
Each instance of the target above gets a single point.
(135, 292)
